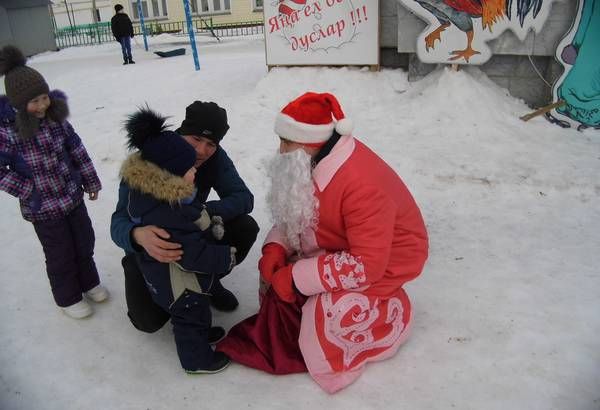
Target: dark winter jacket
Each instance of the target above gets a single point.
(155, 198)
(121, 26)
(217, 173)
(48, 172)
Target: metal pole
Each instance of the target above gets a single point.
(51, 10)
(94, 14)
(68, 15)
(188, 18)
(141, 14)
(73, 15)
(95, 19)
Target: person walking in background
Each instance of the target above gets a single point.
(44, 163)
(122, 30)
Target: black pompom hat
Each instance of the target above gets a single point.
(147, 132)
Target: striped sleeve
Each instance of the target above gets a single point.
(81, 159)
(10, 181)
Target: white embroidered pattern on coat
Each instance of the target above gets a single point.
(358, 337)
(353, 268)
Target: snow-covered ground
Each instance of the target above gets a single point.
(506, 312)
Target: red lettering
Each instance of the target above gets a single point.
(295, 18)
(304, 42)
(274, 23)
(313, 37)
(340, 25)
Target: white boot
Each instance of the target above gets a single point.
(97, 294)
(78, 310)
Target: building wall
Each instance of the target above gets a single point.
(241, 11)
(29, 28)
(80, 12)
(5, 33)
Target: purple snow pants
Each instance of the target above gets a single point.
(68, 245)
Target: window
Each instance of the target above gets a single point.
(210, 6)
(257, 4)
(134, 9)
(158, 9)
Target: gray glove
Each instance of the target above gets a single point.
(218, 227)
(203, 222)
(232, 251)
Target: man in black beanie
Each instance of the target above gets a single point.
(204, 127)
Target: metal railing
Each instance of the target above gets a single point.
(89, 34)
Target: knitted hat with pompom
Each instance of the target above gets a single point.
(22, 83)
(148, 133)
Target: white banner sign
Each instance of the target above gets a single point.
(322, 32)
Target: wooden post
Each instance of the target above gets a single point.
(542, 110)
(95, 20)
(455, 67)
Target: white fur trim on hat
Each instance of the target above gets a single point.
(344, 126)
(290, 129)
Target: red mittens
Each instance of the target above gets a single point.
(283, 284)
(273, 259)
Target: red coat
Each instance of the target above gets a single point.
(370, 240)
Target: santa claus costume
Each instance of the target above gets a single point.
(365, 240)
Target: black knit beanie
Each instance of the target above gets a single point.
(22, 83)
(205, 119)
(147, 132)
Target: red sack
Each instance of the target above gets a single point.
(268, 341)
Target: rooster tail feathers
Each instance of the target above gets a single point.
(524, 7)
(142, 125)
(492, 11)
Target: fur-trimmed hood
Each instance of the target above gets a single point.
(8, 114)
(147, 178)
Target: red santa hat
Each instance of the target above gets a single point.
(309, 119)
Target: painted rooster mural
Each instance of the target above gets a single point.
(464, 15)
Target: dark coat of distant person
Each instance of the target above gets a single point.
(121, 26)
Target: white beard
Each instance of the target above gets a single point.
(292, 201)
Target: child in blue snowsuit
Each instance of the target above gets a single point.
(160, 177)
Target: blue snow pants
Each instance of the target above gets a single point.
(126, 48)
(190, 313)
